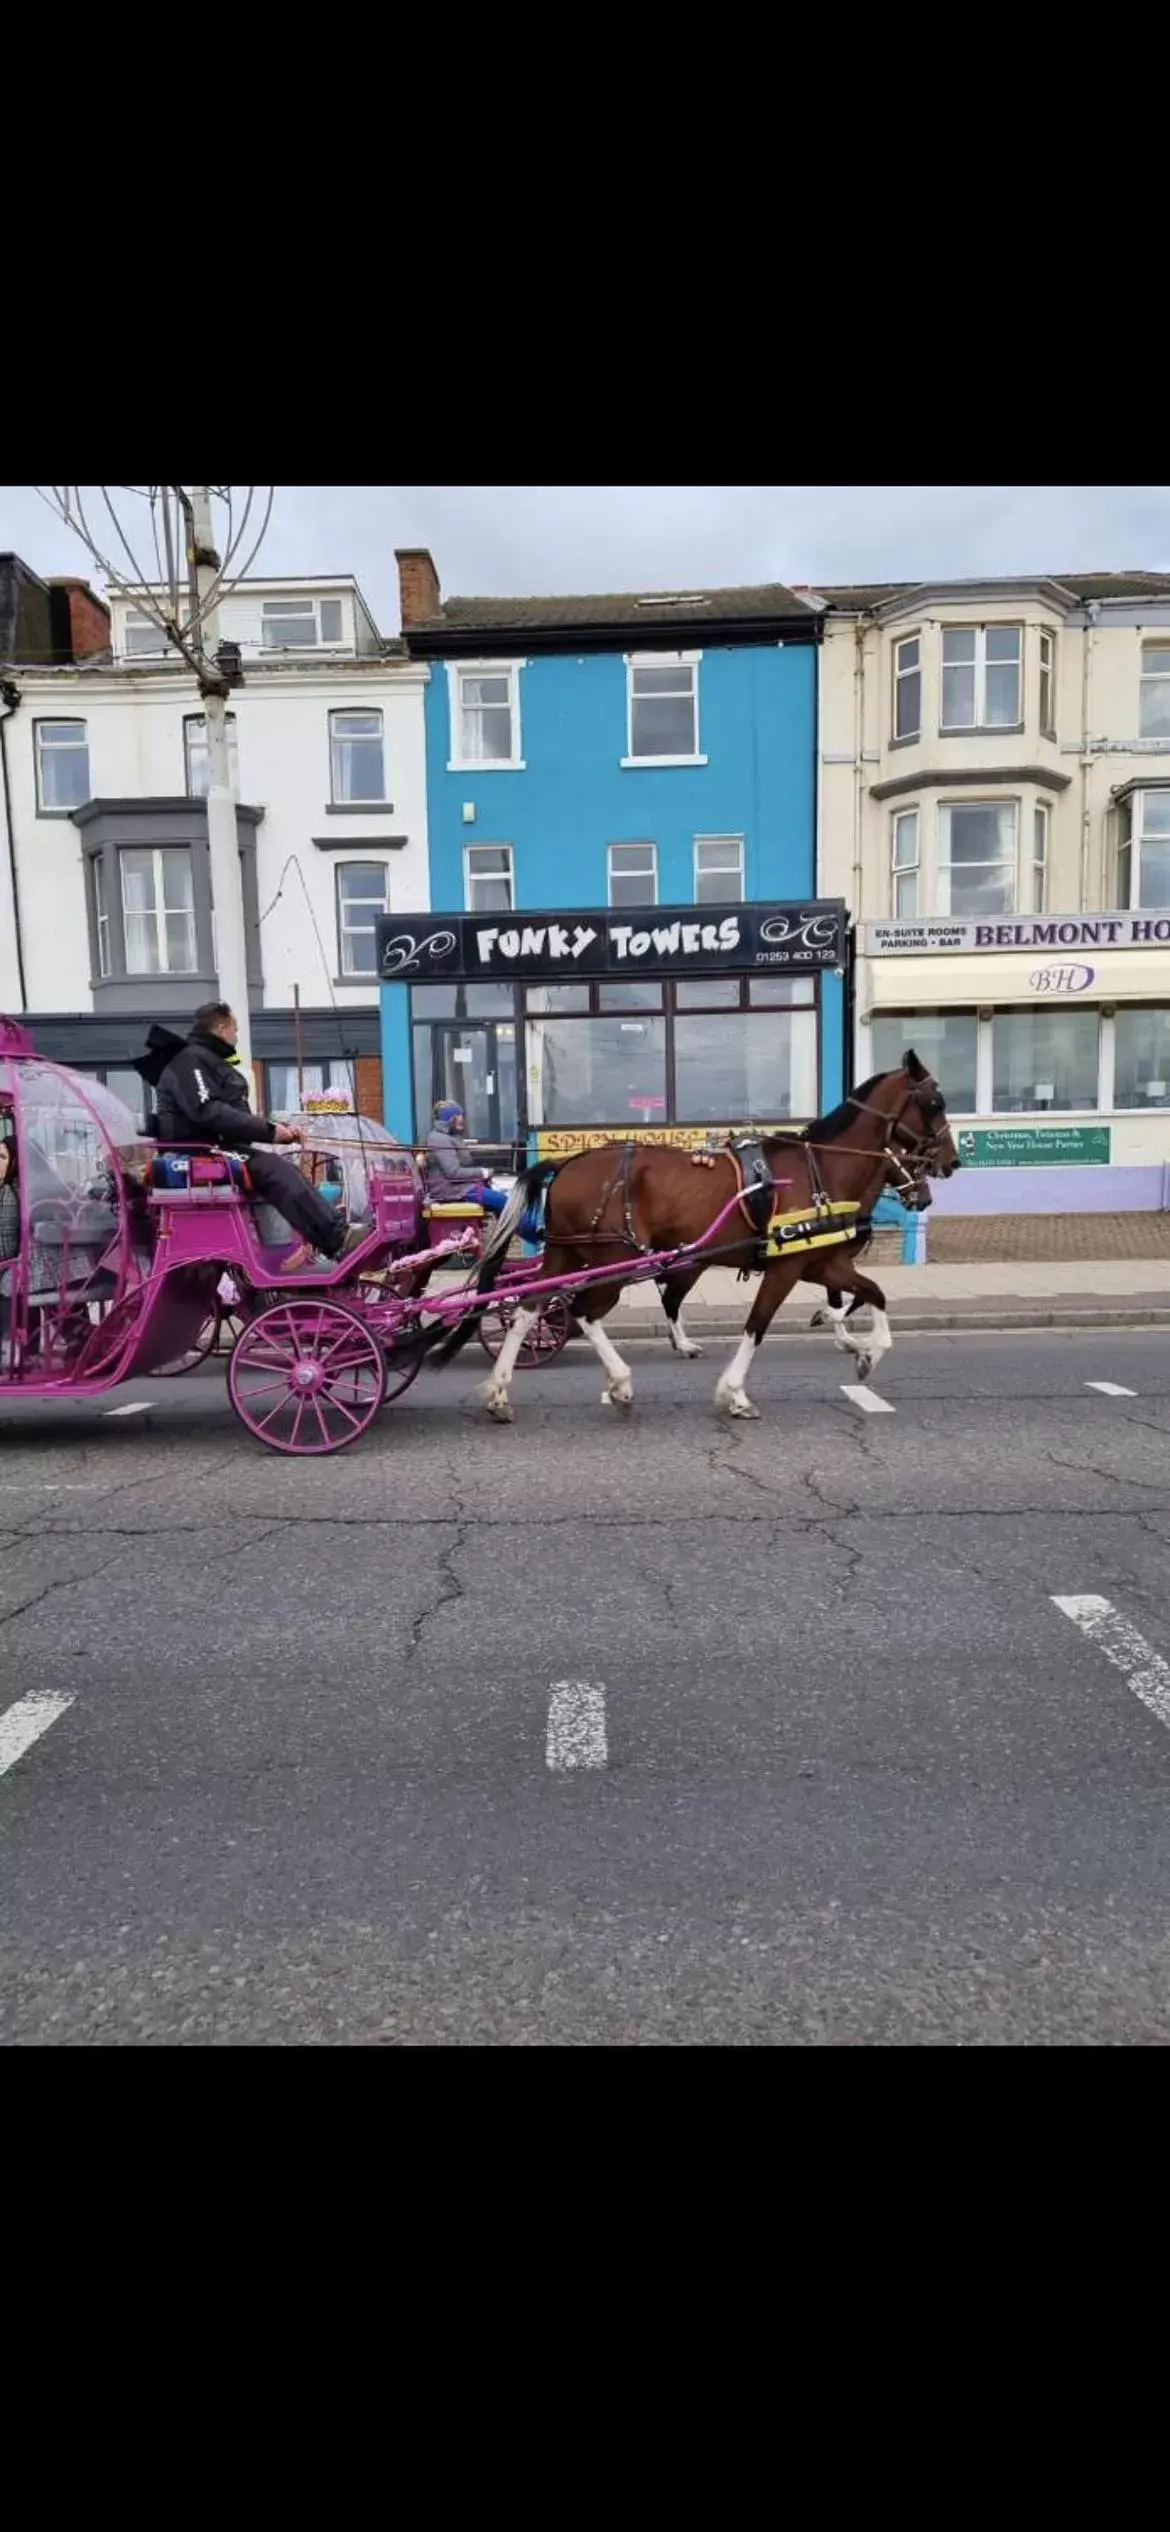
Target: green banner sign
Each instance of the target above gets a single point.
(1034, 1146)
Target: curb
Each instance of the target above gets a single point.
(634, 1327)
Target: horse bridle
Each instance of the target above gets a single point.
(920, 1149)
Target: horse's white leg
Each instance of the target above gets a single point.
(730, 1391)
(869, 1356)
(494, 1391)
(843, 1337)
(619, 1387)
(682, 1343)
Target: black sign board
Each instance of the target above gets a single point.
(611, 941)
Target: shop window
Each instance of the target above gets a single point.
(1142, 1058)
(781, 993)
(945, 1041)
(433, 1002)
(745, 1066)
(541, 1000)
(908, 687)
(977, 858)
(1043, 1060)
(904, 885)
(1143, 850)
(644, 996)
(602, 1071)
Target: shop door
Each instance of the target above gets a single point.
(475, 1063)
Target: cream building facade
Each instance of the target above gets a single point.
(994, 806)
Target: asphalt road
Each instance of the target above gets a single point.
(591, 1730)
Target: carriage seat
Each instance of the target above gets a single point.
(443, 1220)
(193, 1175)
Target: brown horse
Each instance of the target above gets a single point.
(604, 1207)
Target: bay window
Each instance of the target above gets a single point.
(1048, 685)
(908, 687)
(1040, 822)
(158, 911)
(977, 858)
(1154, 720)
(1143, 850)
(904, 887)
(981, 677)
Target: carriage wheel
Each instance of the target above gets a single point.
(549, 1336)
(306, 1377)
(218, 1334)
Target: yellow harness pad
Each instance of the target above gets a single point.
(453, 1212)
(825, 1227)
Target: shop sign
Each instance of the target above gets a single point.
(560, 1142)
(1034, 931)
(1034, 1146)
(1074, 977)
(611, 941)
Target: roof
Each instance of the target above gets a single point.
(1093, 584)
(598, 618)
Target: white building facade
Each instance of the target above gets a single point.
(994, 806)
(106, 913)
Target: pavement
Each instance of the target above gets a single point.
(1111, 1292)
(847, 1727)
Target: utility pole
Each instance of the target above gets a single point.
(222, 835)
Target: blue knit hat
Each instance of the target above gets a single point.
(447, 1111)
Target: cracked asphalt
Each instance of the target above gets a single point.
(864, 1783)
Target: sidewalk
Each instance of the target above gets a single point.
(1117, 1292)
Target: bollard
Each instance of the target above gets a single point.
(914, 1240)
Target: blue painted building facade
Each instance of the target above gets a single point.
(653, 758)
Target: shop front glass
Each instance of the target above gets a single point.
(945, 1041)
(1142, 1059)
(464, 1048)
(1043, 1060)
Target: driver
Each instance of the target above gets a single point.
(452, 1172)
(202, 1097)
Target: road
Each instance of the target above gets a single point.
(598, 1731)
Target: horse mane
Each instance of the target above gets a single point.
(826, 1129)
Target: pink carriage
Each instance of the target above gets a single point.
(117, 1256)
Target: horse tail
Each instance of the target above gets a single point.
(526, 1193)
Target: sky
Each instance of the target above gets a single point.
(529, 540)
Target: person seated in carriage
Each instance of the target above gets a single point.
(202, 1097)
(453, 1173)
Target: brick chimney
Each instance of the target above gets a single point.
(81, 621)
(418, 584)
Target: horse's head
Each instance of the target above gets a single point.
(921, 1141)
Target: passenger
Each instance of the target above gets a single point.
(202, 1098)
(452, 1173)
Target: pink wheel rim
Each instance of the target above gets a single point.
(306, 1378)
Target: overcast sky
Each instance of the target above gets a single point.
(525, 540)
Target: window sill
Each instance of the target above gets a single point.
(360, 843)
(909, 738)
(650, 764)
(359, 809)
(369, 984)
(490, 765)
(61, 813)
(986, 729)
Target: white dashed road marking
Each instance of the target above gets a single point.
(1111, 1389)
(141, 1408)
(24, 1723)
(576, 1726)
(1146, 1672)
(870, 1401)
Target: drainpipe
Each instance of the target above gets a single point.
(1092, 611)
(860, 631)
(10, 695)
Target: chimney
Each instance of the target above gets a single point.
(418, 584)
(81, 621)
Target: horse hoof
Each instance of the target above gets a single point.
(501, 1411)
(622, 1395)
(690, 1353)
(740, 1404)
(818, 1319)
(864, 1366)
